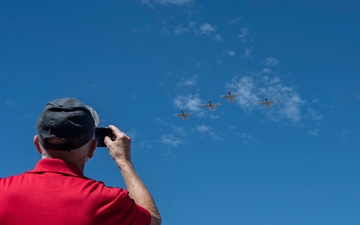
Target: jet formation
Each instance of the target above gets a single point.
(230, 97)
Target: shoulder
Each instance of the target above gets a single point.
(7, 181)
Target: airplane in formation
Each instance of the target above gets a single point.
(183, 115)
(212, 106)
(230, 96)
(266, 103)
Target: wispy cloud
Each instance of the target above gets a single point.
(171, 140)
(216, 37)
(314, 132)
(248, 53)
(174, 2)
(243, 34)
(190, 102)
(271, 61)
(234, 21)
(185, 82)
(11, 103)
(167, 2)
(288, 104)
(343, 133)
(245, 86)
(207, 29)
(203, 129)
(248, 139)
(181, 29)
(315, 115)
(230, 53)
(266, 70)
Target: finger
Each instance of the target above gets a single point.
(107, 140)
(118, 133)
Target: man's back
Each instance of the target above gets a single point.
(57, 193)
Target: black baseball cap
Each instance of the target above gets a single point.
(66, 124)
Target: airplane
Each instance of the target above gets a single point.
(266, 103)
(212, 106)
(183, 115)
(229, 96)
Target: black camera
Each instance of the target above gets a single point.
(101, 133)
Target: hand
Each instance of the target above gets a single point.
(119, 146)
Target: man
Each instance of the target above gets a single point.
(57, 193)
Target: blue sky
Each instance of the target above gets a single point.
(140, 62)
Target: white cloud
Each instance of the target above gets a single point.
(271, 61)
(243, 34)
(271, 81)
(230, 53)
(207, 29)
(288, 101)
(146, 144)
(203, 128)
(171, 140)
(247, 53)
(314, 132)
(248, 139)
(216, 37)
(291, 109)
(314, 115)
(266, 70)
(191, 102)
(235, 20)
(245, 86)
(343, 133)
(173, 2)
(192, 81)
(179, 130)
(11, 103)
(180, 29)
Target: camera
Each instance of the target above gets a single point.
(101, 133)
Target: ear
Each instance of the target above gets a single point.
(93, 146)
(37, 143)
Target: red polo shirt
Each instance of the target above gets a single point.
(57, 193)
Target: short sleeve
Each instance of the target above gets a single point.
(116, 207)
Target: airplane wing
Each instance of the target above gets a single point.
(229, 96)
(212, 104)
(185, 114)
(261, 102)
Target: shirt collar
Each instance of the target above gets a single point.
(57, 166)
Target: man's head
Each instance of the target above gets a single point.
(66, 124)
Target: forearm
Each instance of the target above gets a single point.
(138, 191)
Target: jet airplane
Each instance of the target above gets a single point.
(230, 96)
(212, 106)
(183, 115)
(266, 103)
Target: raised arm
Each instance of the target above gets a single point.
(119, 149)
